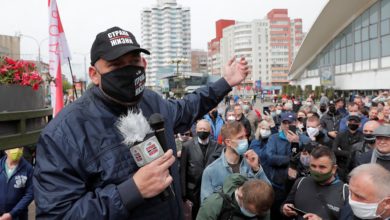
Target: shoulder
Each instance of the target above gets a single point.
(214, 166)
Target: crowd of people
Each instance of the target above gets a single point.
(310, 160)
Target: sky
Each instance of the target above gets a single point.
(84, 19)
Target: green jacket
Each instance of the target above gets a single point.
(211, 207)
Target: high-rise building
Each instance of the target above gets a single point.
(268, 44)
(199, 61)
(166, 33)
(10, 46)
(213, 54)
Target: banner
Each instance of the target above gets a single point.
(327, 76)
(58, 53)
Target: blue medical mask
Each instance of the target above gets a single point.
(242, 146)
(282, 135)
(246, 212)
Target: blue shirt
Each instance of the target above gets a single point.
(215, 174)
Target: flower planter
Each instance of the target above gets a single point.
(22, 115)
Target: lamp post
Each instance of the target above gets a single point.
(180, 78)
(85, 66)
(39, 43)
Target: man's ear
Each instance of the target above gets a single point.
(94, 75)
(334, 169)
(228, 142)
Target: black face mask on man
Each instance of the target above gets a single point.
(124, 85)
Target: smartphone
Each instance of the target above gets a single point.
(292, 128)
(300, 212)
(266, 110)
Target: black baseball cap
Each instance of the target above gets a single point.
(113, 43)
(354, 118)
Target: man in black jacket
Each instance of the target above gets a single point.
(331, 120)
(344, 143)
(83, 168)
(196, 155)
(241, 118)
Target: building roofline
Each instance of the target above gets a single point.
(334, 18)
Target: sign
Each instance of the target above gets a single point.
(327, 77)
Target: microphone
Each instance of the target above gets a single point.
(156, 121)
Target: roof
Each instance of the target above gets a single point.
(336, 15)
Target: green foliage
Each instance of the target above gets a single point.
(298, 91)
(308, 90)
(66, 85)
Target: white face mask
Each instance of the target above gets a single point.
(231, 118)
(354, 113)
(278, 112)
(312, 132)
(363, 210)
(265, 133)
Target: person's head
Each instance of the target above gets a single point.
(323, 108)
(373, 113)
(368, 130)
(353, 108)
(332, 107)
(386, 111)
(246, 107)
(312, 114)
(238, 111)
(301, 114)
(304, 155)
(272, 108)
(288, 106)
(287, 118)
(117, 66)
(353, 123)
(359, 101)
(313, 126)
(230, 115)
(213, 113)
(369, 188)
(382, 135)
(339, 104)
(14, 154)
(185, 136)
(322, 164)
(203, 129)
(309, 101)
(263, 130)
(234, 137)
(255, 197)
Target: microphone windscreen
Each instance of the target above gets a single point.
(133, 127)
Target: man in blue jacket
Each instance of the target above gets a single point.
(83, 169)
(279, 150)
(16, 190)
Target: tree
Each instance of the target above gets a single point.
(298, 91)
(308, 90)
(66, 85)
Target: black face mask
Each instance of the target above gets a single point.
(369, 138)
(124, 85)
(203, 134)
(322, 110)
(332, 109)
(353, 127)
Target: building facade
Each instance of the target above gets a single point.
(347, 48)
(213, 48)
(166, 33)
(10, 46)
(199, 61)
(268, 44)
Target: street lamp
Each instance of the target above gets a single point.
(180, 77)
(39, 43)
(85, 66)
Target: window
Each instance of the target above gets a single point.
(374, 13)
(358, 52)
(374, 48)
(385, 44)
(366, 50)
(385, 27)
(385, 8)
(364, 33)
(365, 18)
(357, 36)
(373, 31)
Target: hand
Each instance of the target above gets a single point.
(252, 159)
(292, 137)
(287, 211)
(311, 216)
(6, 216)
(292, 173)
(154, 177)
(332, 134)
(236, 72)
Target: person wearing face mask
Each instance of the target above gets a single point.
(240, 199)
(197, 154)
(321, 193)
(369, 196)
(279, 150)
(235, 158)
(301, 121)
(258, 144)
(180, 138)
(366, 145)
(84, 168)
(215, 121)
(15, 185)
(310, 106)
(353, 109)
(330, 121)
(316, 133)
(239, 113)
(380, 154)
(299, 165)
(343, 145)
